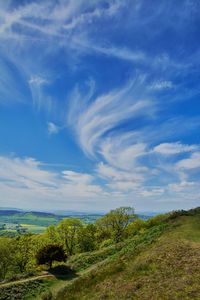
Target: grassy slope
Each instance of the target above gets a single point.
(166, 268)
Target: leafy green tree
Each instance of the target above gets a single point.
(49, 253)
(51, 234)
(103, 230)
(86, 238)
(68, 232)
(23, 251)
(6, 259)
(116, 222)
(135, 226)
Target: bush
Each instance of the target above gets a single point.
(48, 253)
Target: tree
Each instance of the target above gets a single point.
(68, 231)
(23, 250)
(116, 222)
(135, 226)
(48, 253)
(51, 234)
(86, 238)
(6, 259)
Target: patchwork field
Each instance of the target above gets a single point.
(14, 222)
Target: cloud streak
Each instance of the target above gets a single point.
(107, 73)
(108, 111)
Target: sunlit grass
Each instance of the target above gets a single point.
(167, 268)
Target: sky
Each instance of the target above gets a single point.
(99, 104)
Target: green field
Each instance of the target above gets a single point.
(11, 220)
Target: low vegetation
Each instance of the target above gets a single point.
(162, 263)
(154, 259)
(24, 290)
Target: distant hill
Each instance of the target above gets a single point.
(41, 218)
(8, 212)
(47, 218)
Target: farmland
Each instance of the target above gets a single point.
(13, 222)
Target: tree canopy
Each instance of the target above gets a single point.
(116, 221)
(48, 253)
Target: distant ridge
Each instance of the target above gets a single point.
(72, 212)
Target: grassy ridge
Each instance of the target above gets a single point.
(163, 263)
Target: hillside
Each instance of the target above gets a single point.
(163, 263)
(159, 259)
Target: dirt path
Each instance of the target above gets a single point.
(25, 280)
(65, 283)
(51, 275)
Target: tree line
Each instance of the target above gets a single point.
(24, 252)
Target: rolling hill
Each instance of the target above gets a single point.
(163, 263)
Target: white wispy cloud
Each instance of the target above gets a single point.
(31, 182)
(122, 152)
(39, 97)
(52, 128)
(108, 111)
(24, 172)
(174, 148)
(158, 85)
(192, 162)
(45, 29)
(59, 18)
(36, 80)
(152, 192)
(183, 186)
(116, 175)
(118, 52)
(88, 17)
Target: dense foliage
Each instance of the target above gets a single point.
(49, 253)
(159, 262)
(23, 253)
(106, 237)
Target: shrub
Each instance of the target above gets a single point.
(48, 253)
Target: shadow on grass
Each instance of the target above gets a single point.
(63, 272)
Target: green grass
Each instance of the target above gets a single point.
(189, 228)
(83, 261)
(163, 263)
(35, 229)
(24, 290)
(114, 265)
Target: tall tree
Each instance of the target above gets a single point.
(6, 259)
(51, 234)
(68, 232)
(116, 222)
(86, 238)
(23, 250)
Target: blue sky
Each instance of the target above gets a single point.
(99, 104)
